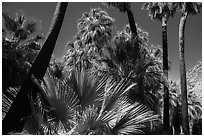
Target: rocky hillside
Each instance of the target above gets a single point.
(194, 79)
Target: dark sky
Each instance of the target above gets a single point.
(193, 31)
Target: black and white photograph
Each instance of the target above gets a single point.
(101, 68)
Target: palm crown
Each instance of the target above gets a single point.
(95, 26)
(189, 7)
(158, 10)
(20, 27)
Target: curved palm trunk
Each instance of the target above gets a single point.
(165, 70)
(133, 29)
(21, 107)
(184, 101)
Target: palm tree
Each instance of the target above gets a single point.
(194, 107)
(186, 9)
(21, 27)
(146, 72)
(95, 26)
(20, 48)
(94, 33)
(162, 11)
(15, 118)
(126, 7)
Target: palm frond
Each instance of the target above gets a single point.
(95, 26)
(158, 10)
(87, 86)
(133, 120)
(59, 101)
(20, 17)
(121, 6)
(189, 7)
(7, 99)
(113, 91)
(31, 25)
(9, 23)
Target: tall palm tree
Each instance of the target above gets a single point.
(94, 33)
(126, 7)
(162, 11)
(15, 118)
(146, 72)
(186, 8)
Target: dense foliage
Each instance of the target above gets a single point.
(104, 85)
(20, 47)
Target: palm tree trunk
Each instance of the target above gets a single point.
(50, 42)
(133, 29)
(184, 101)
(21, 108)
(132, 22)
(165, 70)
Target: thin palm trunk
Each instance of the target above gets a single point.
(185, 121)
(165, 70)
(132, 22)
(21, 108)
(133, 29)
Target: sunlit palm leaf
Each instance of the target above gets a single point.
(59, 101)
(20, 17)
(113, 91)
(94, 123)
(7, 100)
(87, 86)
(133, 120)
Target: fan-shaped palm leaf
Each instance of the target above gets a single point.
(133, 119)
(59, 101)
(114, 91)
(92, 121)
(87, 86)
